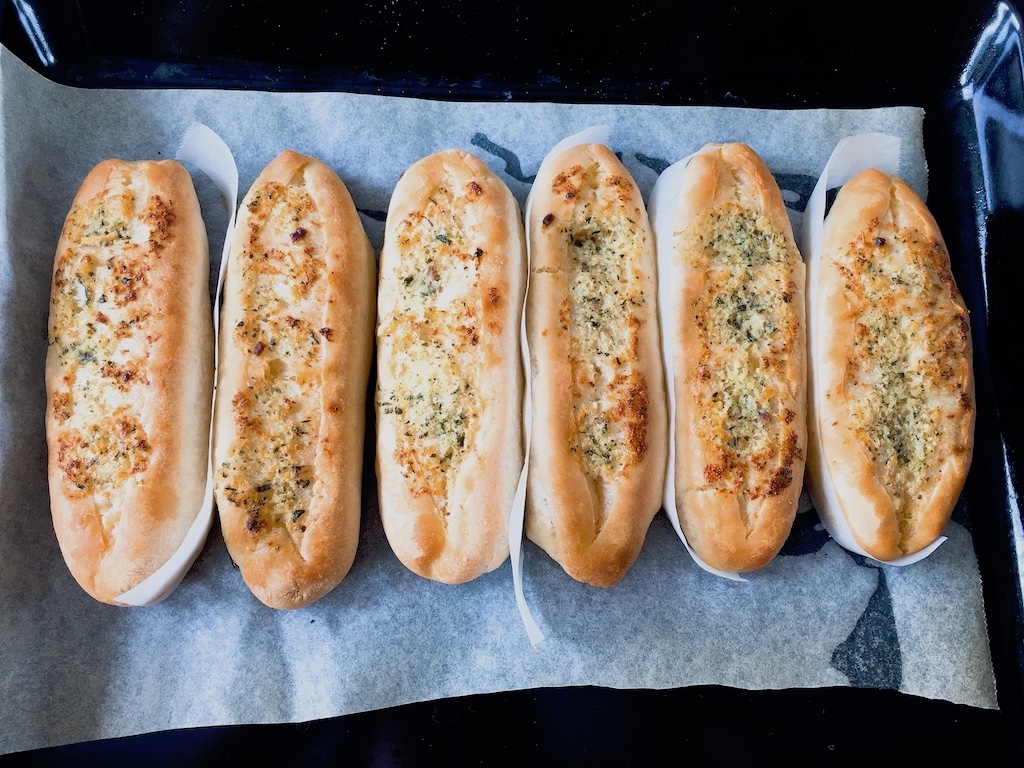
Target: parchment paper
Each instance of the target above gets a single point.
(72, 669)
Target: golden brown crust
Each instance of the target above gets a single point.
(449, 389)
(894, 387)
(129, 373)
(296, 340)
(739, 360)
(599, 438)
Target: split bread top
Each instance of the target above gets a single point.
(449, 370)
(739, 360)
(599, 433)
(129, 374)
(296, 343)
(893, 408)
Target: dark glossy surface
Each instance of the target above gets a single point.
(976, 153)
(737, 54)
(704, 726)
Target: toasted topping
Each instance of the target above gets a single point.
(604, 243)
(100, 457)
(113, 241)
(748, 326)
(433, 336)
(269, 471)
(907, 377)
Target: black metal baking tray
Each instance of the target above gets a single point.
(963, 65)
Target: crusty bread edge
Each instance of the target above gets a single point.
(474, 538)
(559, 505)
(710, 520)
(286, 579)
(859, 498)
(175, 484)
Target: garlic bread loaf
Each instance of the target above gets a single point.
(450, 381)
(295, 348)
(739, 360)
(129, 374)
(892, 408)
(599, 433)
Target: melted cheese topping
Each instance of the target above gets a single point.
(269, 471)
(604, 245)
(748, 325)
(907, 375)
(433, 355)
(102, 323)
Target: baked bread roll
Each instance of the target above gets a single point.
(296, 341)
(892, 412)
(739, 360)
(129, 374)
(600, 433)
(449, 386)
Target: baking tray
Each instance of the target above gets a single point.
(964, 66)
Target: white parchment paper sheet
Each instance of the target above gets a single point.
(72, 669)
